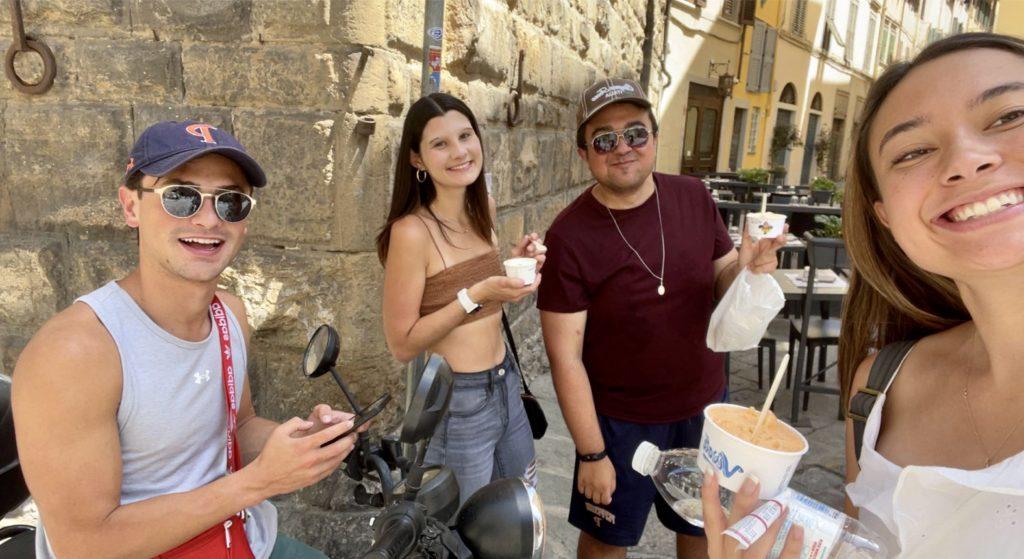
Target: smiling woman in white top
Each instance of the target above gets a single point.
(934, 224)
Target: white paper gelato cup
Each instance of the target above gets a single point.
(733, 459)
(767, 225)
(522, 268)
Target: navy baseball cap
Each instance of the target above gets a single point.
(167, 145)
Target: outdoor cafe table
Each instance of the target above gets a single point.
(822, 292)
(799, 216)
(741, 189)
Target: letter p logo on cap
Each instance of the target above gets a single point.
(201, 131)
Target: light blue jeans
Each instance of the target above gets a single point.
(485, 435)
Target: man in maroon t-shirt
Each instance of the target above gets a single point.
(633, 268)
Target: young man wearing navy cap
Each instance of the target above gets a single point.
(135, 426)
(633, 268)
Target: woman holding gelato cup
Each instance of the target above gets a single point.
(933, 328)
(444, 286)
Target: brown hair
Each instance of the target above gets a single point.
(409, 194)
(891, 298)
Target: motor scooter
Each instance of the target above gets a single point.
(17, 541)
(421, 516)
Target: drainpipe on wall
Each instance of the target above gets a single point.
(433, 32)
(648, 46)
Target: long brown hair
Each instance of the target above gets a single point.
(891, 298)
(409, 194)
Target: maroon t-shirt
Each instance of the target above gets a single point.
(645, 353)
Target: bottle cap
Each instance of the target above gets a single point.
(646, 458)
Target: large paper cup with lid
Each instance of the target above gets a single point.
(733, 459)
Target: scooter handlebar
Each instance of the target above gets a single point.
(398, 529)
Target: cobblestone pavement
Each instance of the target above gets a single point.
(820, 474)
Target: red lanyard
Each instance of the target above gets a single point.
(220, 320)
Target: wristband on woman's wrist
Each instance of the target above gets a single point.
(592, 457)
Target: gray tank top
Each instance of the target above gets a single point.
(172, 419)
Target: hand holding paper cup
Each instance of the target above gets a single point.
(765, 224)
(522, 268)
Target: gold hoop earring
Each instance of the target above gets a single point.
(421, 178)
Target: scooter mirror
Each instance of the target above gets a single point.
(439, 493)
(503, 520)
(429, 402)
(321, 352)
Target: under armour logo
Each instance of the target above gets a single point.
(202, 377)
(201, 131)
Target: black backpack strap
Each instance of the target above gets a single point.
(515, 354)
(890, 359)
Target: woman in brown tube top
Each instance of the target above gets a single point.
(444, 287)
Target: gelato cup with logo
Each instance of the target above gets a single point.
(522, 268)
(765, 225)
(725, 449)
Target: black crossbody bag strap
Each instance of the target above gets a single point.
(890, 359)
(515, 353)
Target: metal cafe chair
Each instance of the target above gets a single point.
(813, 332)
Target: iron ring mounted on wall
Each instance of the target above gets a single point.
(23, 43)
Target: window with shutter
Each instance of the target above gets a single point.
(851, 24)
(767, 60)
(799, 19)
(869, 47)
(729, 10)
(747, 11)
(756, 54)
(755, 121)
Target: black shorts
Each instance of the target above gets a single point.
(622, 522)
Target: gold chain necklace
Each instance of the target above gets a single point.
(661, 229)
(974, 425)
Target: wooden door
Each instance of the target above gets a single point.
(700, 136)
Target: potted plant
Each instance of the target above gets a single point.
(755, 175)
(823, 150)
(829, 226)
(784, 137)
(778, 174)
(822, 189)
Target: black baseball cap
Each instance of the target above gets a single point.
(602, 93)
(167, 145)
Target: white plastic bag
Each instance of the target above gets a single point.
(742, 316)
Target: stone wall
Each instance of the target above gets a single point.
(289, 78)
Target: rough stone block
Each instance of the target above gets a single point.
(77, 18)
(341, 535)
(318, 21)
(66, 161)
(147, 115)
(537, 64)
(270, 75)
(491, 56)
(297, 152)
(102, 70)
(91, 263)
(31, 290)
(405, 25)
(368, 80)
(365, 22)
(99, 70)
(365, 170)
(288, 294)
(197, 20)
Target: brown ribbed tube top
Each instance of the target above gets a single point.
(443, 287)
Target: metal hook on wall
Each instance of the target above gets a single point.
(516, 95)
(23, 43)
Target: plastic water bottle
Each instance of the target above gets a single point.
(828, 533)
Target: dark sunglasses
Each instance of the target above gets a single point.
(183, 201)
(634, 136)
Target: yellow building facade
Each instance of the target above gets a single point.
(800, 71)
